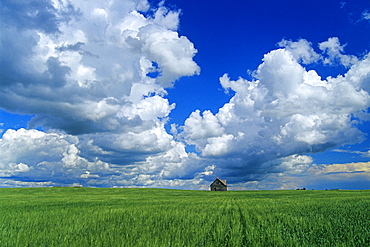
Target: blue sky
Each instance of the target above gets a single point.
(232, 38)
(265, 94)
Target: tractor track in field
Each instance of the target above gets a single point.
(245, 241)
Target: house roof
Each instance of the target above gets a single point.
(222, 181)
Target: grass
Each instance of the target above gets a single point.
(155, 217)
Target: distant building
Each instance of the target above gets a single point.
(219, 185)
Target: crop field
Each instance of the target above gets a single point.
(157, 217)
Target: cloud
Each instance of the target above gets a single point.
(335, 54)
(343, 168)
(313, 176)
(35, 155)
(301, 50)
(285, 111)
(44, 16)
(94, 75)
(338, 176)
(91, 64)
(363, 154)
(366, 15)
(31, 156)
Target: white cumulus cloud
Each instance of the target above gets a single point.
(94, 75)
(93, 64)
(335, 50)
(285, 111)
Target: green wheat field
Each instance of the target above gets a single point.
(158, 217)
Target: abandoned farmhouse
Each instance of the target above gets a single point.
(219, 185)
